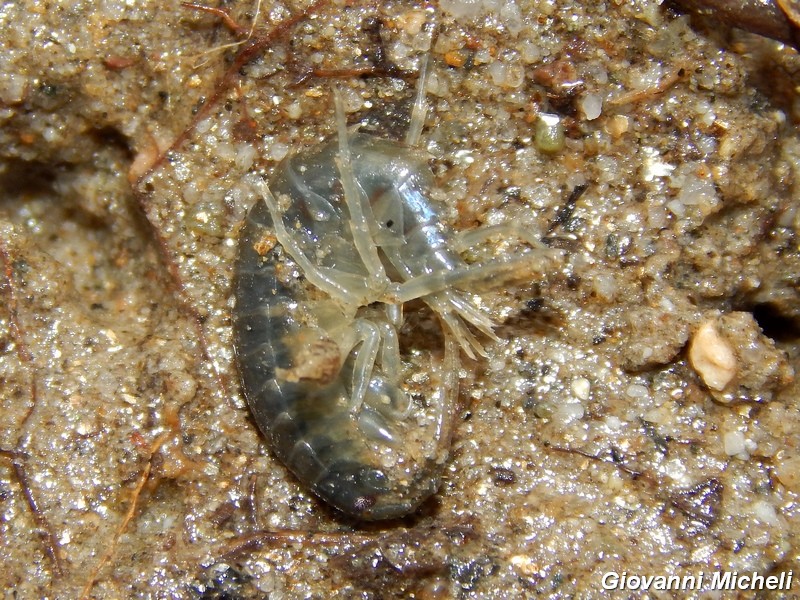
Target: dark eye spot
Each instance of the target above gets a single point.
(389, 223)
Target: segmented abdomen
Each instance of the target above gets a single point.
(298, 388)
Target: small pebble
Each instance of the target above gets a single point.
(765, 513)
(591, 106)
(412, 21)
(618, 125)
(712, 357)
(581, 388)
(734, 443)
(456, 58)
(549, 134)
(787, 469)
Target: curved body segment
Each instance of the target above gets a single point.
(305, 352)
(343, 236)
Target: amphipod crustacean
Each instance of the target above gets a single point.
(344, 234)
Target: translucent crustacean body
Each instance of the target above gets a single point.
(344, 234)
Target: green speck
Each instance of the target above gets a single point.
(549, 134)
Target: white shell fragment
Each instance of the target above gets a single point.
(712, 357)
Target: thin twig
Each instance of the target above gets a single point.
(26, 357)
(112, 549)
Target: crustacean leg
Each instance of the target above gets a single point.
(361, 219)
(349, 288)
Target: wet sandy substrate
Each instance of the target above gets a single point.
(639, 414)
